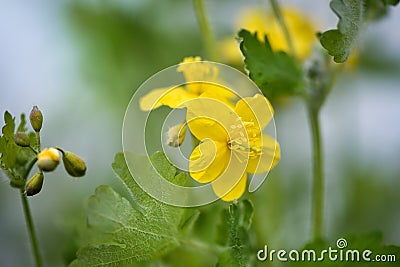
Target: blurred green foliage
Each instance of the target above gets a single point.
(122, 47)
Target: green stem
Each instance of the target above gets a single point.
(30, 166)
(27, 211)
(38, 140)
(34, 151)
(209, 41)
(282, 24)
(318, 178)
(31, 228)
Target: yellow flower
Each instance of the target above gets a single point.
(48, 159)
(176, 96)
(301, 30)
(232, 143)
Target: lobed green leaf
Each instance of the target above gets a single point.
(13, 158)
(339, 42)
(275, 73)
(8, 148)
(352, 14)
(120, 232)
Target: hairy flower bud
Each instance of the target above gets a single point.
(74, 165)
(176, 135)
(35, 184)
(36, 119)
(22, 139)
(48, 159)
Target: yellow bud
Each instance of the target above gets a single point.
(35, 184)
(74, 165)
(36, 119)
(176, 135)
(48, 159)
(22, 139)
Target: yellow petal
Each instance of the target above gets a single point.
(269, 157)
(204, 128)
(256, 109)
(210, 118)
(197, 71)
(220, 187)
(173, 97)
(218, 92)
(208, 160)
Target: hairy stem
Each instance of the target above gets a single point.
(208, 38)
(31, 228)
(38, 140)
(318, 178)
(278, 15)
(27, 211)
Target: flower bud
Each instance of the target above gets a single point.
(22, 139)
(48, 159)
(176, 135)
(35, 184)
(36, 119)
(74, 165)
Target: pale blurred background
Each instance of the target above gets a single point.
(81, 61)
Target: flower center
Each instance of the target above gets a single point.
(245, 145)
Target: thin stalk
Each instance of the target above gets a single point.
(38, 140)
(31, 228)
(30, 166)
(318, 178)
(278, 15)
(208, 37)
(27, 211)
(34, 151)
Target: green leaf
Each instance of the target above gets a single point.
(13, 158)
(8, 148)
(233, 232)
(120, 232)
(275, 73)
(369, 241)
(352, 14)
(339, 42)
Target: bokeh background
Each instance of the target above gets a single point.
(81, 61)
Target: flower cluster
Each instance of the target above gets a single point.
(229, 129)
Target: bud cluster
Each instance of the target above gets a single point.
(49, 158)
